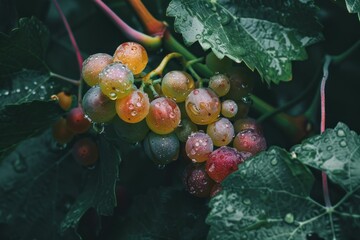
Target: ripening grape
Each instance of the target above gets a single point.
(220, 84)
(60, 131)
(218, 65)
(134, 107)
(177, 85)
(64, 99)
(77, 121)
(116, 81)
(164, 115)
(241, 82)
(196, 181)
(85, 152)
(132, 55)
(93, 65)
(199, 146)
(202, 106)
(247, 123)
(130, 132)
(229, 108)
(250, 141)
(98, 107)
(221, 132)
(162, 149)
(185, 128)
(222, 162)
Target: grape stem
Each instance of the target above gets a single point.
(153, 26)
(159, 69)
(145, 40)
(75, 46)
(66, 79)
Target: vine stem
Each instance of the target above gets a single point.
(145, 40)
(76, 49)
(66, 79)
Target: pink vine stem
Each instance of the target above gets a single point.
(71, 35)
(322, 126)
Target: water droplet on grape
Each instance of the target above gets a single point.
(133, 113)
(131, 106)
(112, 96)
(161, 166)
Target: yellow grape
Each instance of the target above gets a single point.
(177, 85)
(133, 55)
(93, 65)
(134, 107)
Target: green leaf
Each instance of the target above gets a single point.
(34, 191)
(269, 197)
(164, 213)
(266, 35)
(22, 121)
(353, 6)
(337, 152)
(99, 191)
(24, 48)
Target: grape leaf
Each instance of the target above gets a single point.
(33, 191)
(24, 48)
(266, 35)
(21, 121)
(336, 151)
(269, 196)
(99, 191)
(158, 215)
(353, 6)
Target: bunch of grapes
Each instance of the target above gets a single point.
(210, 122)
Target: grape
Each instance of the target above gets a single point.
(60, 131)
(229, 108)
(249, 141)
(76, 120)
(164, 115)
(130, 132)
(184, 130)
(221, 132)
(202, 106)
(134, 107)
(93, 65)
(64, 99)
(98, 107)
(177, 85)
(116, 81)
(220, 84)
(243, 109)
(197, 182)
(241, 82)
(217, 65)
(199, 146)
(162, 149)
(132, 55)
(85, 152)
(247, 123)
(222, 162)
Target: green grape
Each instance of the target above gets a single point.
(184, 130)
(241, 82)
(98, 107)
(134, 107)
(130, 132)
(93, 65)
(221, 132)
(162, 149)
(220, 84)
(218, 65)
(133, 55)
(164, 115)
(202, 106)
(229, 108)
(116, 81)
(177, 85)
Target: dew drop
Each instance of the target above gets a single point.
(133, 113)
(161, 166)
(329, 148)
(289, 218)
(19, 165)
(341, 133)
(91, 167)
(99, 127)
(274, 161)
(343, 143)
(6, 93)
(247, 201)
(198, 36)
(230, 209)
(293, 155)
(112, 96)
